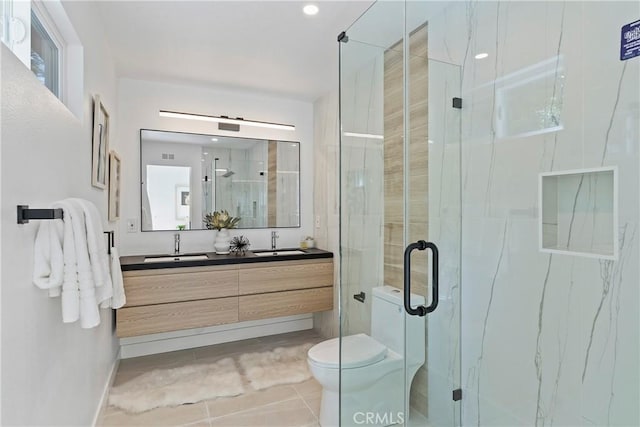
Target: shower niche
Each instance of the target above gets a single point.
(578, 212)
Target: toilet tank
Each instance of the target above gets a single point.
(388, 321)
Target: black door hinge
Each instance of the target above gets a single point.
(457, 394)
(342, 37)
(457, 102)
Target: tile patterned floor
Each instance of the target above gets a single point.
(295, 405)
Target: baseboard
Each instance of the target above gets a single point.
(105, 393)
(192, 338)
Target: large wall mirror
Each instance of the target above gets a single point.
(184, 176)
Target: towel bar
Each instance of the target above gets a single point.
(25, 214)
(111, 240)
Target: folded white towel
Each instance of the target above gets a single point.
(89, 314)
(70, 292)
(98, 255)
(48, 265)
(119, 299)
(71, 261)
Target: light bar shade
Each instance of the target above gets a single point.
(228, 120)
(363, 135)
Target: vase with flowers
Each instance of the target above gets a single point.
(221, 221)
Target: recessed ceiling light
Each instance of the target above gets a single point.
(482, 55)
(310, 9)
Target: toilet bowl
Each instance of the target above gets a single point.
(368, 379)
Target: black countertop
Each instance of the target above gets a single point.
(136, 262)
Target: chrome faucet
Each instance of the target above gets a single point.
(176, 243)
(274, 236)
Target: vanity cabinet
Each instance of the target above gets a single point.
(283, 276)
(144, 287)
(170, 299)
(155, 318)
(287, 303)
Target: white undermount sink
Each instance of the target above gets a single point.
(276, 253)
(175, 258)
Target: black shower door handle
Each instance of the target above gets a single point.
(420, 310)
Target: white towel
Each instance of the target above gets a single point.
(70, 291)
(48, 263)
(98, 255)
(71, 261)
(89, 314)
(119, 299)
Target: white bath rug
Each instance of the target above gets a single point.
(283, 365)
(177, 386)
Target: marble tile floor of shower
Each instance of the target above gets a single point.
(295, 405)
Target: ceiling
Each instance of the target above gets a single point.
(264, 46)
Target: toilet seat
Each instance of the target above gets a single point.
(357, 351)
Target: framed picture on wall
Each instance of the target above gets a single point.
(100, 150)
(183, 201)
(115, 174)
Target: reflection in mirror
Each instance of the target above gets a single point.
(185, 176)
(169, 186)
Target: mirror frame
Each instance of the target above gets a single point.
(142, 179)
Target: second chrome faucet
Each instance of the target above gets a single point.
(176, 243)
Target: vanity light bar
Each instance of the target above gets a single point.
(226, 120)
(363, 135)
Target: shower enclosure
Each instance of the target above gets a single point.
(400, 184)
(506, 135)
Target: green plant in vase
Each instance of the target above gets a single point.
(218, 220)
(221, 221)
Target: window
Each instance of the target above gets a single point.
(45, 56)
(42, 36)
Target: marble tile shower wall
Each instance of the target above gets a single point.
(362, 164)
(325, 194)
(547, 338)
(363, 204)
(443, 325)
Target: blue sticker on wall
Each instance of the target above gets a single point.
(630, 41)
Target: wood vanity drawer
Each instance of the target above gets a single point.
(262, 306)
(164, 286)
(283, 276)
(151, 319)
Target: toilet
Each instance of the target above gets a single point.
(372, 366)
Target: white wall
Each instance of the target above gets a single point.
(52, 373)
(138, 106)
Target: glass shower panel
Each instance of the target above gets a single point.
(363, 60)
(432, 188)
(400, 183)
(431, 394)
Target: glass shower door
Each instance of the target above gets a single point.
(399, 185)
